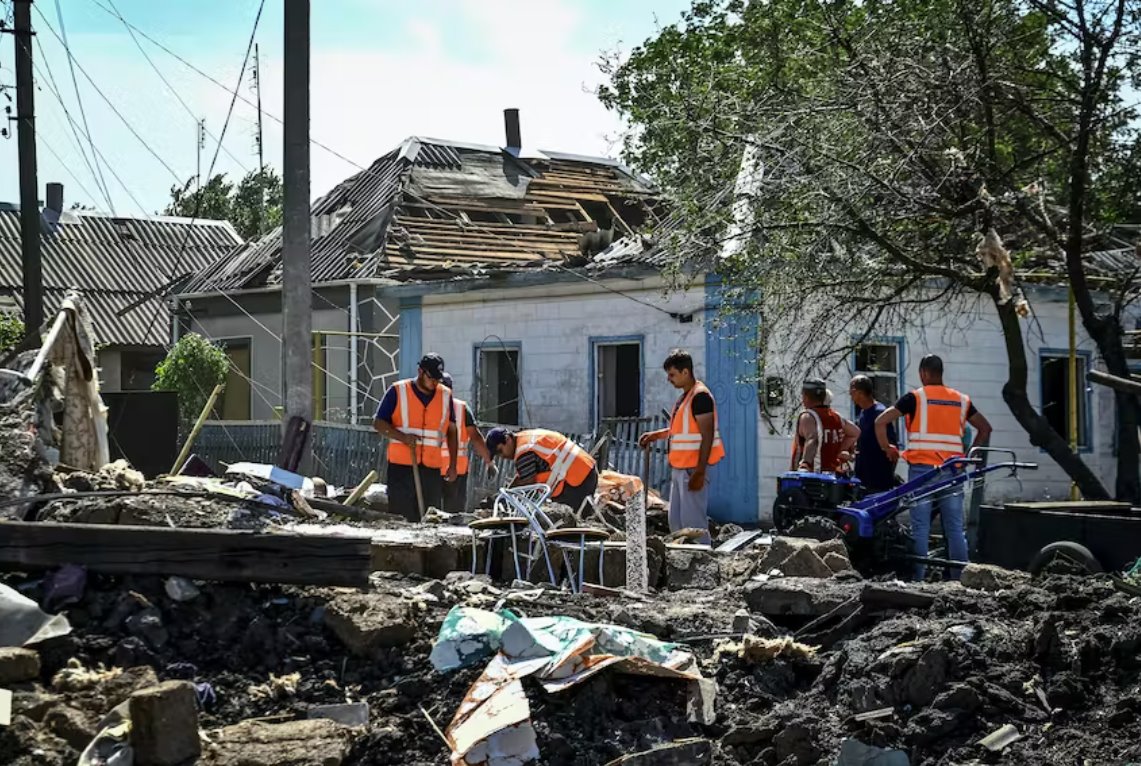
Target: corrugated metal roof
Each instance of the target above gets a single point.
(431, 208)
(115, 262)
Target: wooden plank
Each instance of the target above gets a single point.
(202, 554)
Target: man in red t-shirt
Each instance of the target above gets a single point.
(823, 440)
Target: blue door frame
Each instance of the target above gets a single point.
(730, 372)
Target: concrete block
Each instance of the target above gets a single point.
(694, 568)
(18, 665)
(365, 622)
(164, 724)
(701, 702)
(992, 578)
(799, 596)
(315, 742)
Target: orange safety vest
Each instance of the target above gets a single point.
(463, 440)
(935, 431)
(569, 463)
(429, 424)
(685, 436)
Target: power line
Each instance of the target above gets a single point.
(66, 167)
(210, 173)
(87, 129)
(135, 133)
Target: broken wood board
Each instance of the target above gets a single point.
(202, 554)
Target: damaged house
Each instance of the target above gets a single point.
(119, 265)
(528, 272)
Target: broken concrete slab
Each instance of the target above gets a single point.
(164, 724)
(799, 596)
(701, 702)
(70, 725)
(804, 563)
(837, 563)
(682, 752)
(692, 567)
(992, 578)
(18, 665)
(348, 714)
(318, 742)
(365, 622)
(427, 552)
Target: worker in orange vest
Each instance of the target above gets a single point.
(417, 417)
(694, 446)
(468, 436)
(548, 457)
(936, 418)
(824, 440)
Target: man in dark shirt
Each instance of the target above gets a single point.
(873, 467)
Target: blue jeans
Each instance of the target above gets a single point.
(950, 512)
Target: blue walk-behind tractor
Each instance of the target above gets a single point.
(828, 506)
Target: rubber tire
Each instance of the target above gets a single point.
(819, 528)
(789, 507)
(1076, 552)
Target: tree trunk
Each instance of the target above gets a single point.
(1037, 427)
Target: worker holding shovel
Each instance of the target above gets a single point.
(419, 420)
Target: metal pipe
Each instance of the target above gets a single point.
(33, 372)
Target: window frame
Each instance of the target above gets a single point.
(593, 345)
(1087, 414)
(502, 347)
(900, 345)
(248, 342)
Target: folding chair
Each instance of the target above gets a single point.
(565, 539)
(511, 518)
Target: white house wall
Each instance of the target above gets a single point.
(974, 356)
(554, 326)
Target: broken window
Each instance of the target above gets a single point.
(497, 386)
(137, 370)
(880, 362)
(234, 403)
(1055, 383)
(618, 380)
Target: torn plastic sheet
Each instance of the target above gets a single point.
(111, 746)
(467, 636)
(492, 726)
(23, 623)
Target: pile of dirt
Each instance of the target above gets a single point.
(1057, 659)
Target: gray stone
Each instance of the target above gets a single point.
(837, 563)
(701, 704)
(349, 714)
(742, 622)
(164, 724)
(18, 665)
(992, 578)
(853, 752)
(822, 549)
(693, 568)
(316, 742)
(804, 563)
(70, 725)
(148, 626)
(365, 622)
(799, 596)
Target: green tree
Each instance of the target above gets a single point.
(893, 161)
(11, 331)
(253, 206)
(192, 369)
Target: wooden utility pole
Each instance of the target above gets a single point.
(296, 279)
(29, 183)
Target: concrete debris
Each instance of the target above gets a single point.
(799, 596)
(348, 714)
(1001, 738)
(692, 567)
(6, 707)
(71, 725)
(164, 724)
(685, 752)
(837, 562)
(366, 623)
(853, 752)
(315, 742)
(701, 703)
(992, 578)
(802, 557)
(18, 665)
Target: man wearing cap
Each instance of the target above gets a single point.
(824, 440)
(547, 457)
(419, 420)
(455, 492)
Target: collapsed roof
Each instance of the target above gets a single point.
(433, 209)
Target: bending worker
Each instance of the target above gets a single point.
(547, 457)
(824, 440)
(695, 444)
(936, 420)
(419, 420)
(468, 436)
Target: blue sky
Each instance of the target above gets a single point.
(381, 70)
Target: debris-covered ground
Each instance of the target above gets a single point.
(1057, 660)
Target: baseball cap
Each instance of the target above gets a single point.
(495, 437)
(433, 364)
(815, 386)
(446, 379)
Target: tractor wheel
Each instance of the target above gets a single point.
(816, 528)
(790, 506)
(1065, 557)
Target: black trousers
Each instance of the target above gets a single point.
(455, 494)
(402, 490)
(573, 496)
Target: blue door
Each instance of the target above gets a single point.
(730, 372)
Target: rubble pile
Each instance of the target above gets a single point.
(343, 676)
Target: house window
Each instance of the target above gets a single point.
(234, 404)
(497, 385)
(880, 362)
(137, 370)
(1055, 380)
(618, 380)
